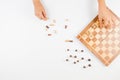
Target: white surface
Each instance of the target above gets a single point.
(26, 53)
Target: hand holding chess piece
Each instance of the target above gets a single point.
(106, 18)
(39, 10)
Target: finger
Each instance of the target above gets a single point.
(38, 15)
(41, 16)
(114, 19)
(114, 22)
(100, 22)
(44, 15)
(111, 23)
(106, 23)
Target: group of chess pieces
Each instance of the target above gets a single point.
(103, 42)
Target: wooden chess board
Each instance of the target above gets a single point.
(102, 42)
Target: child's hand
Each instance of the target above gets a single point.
(106, 18)
(39, 10)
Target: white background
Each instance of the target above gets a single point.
(27, 53)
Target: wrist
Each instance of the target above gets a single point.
(101, 4)
(36, 2)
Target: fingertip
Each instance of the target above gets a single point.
(100, 23)
(45, 19)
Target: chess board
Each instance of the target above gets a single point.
(103, 42)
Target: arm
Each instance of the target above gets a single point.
(101, 3)
(39, 10)
(106, 18)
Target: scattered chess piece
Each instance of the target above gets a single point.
(68, 40)
(67, 59)
(49, 34)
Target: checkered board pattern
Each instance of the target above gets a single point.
(102, 42)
